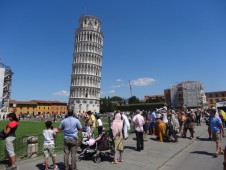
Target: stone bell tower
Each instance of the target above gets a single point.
(86, 66)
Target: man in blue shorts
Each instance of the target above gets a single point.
(217, 130)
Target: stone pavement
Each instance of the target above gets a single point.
(154, 155)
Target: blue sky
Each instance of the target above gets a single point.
(152, 43)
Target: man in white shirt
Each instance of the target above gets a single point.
(138, 120)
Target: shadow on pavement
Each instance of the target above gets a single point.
(130, 147)
(202, 153)
(3, 162)
(154, 138)
(203, 139)
(60, 165)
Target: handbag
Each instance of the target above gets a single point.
(2, 135)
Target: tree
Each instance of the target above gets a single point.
(116, 99)
(149, 100)
(103, 105)
(133, 100)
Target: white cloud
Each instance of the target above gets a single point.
(111, 91)
(116, 86)
(142, 82)
(107, 92)
(61, 93)
(119, 80)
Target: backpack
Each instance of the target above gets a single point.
(223, 115)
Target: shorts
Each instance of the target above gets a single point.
(48, 151)
(145, 126)
(152, 124)
(216, 137)
(9, 146)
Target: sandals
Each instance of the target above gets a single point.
(215, 155)
(114, 162)
(221, 153)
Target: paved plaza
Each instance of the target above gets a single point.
(155, 156)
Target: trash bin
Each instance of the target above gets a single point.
(32, 146)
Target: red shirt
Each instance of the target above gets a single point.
(13, 126)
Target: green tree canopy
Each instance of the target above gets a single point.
(116, 99)
(133, 100)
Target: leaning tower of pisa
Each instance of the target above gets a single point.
(87, 66)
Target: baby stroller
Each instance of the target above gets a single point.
(93, 148)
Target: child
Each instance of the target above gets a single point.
(49, 145)
(85, 133)
(99, 125)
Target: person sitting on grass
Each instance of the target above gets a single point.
(49, 145)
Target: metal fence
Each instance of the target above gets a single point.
(23, 150)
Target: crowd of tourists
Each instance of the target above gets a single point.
(165, 124)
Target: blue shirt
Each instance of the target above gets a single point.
(215, 124)
(70, 125)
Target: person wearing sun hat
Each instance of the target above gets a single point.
(160, 128)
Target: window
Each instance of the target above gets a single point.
(222, 94)
(216, 95)
(211, 96)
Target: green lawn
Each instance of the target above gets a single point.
(28, 128)
(34, 128)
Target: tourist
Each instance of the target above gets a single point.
(198, 117)
(99, 125)
(216, 130)
(189, 125)
(145, 126)
(207, 119)
(126, 126)
(49, 145)
(92, 122)
(138, 120)
(152, 122)
(9, 131)
(160, 128)
(181, 119)
(116, 128)
(171, 133)
(70, 126)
